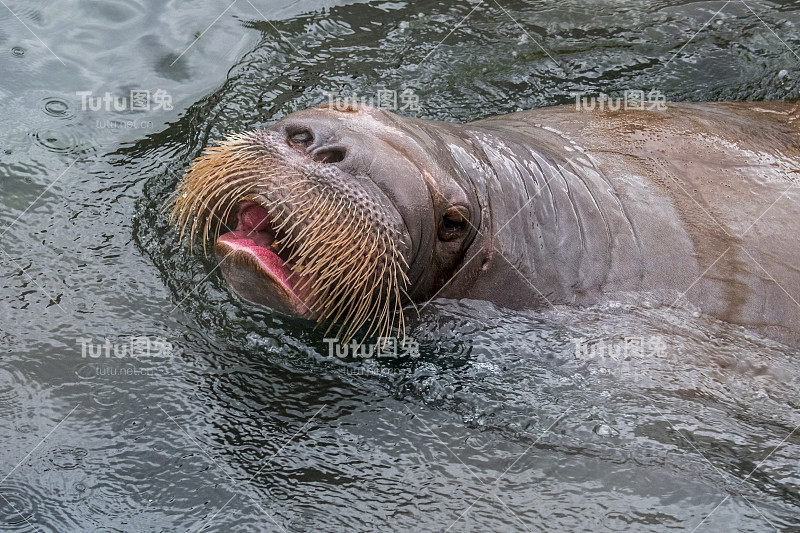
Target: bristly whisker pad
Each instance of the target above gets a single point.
(346, 248)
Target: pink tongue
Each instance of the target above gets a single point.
(253, 218)
(254, 237)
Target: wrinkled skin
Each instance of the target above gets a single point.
(692, 205)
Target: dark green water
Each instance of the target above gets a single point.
(247, 425)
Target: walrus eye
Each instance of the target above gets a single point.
(300, 139)
(454, 222)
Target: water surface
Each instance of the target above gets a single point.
(503, 423)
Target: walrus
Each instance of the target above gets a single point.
(347, 215)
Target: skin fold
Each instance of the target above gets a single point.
(693, 205)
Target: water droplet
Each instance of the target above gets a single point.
(86, 371)
(18, 505)
(56, 141)
(106, 395)
(134, 426)
(56, 107)
(67, 458)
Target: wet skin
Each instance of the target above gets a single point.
(694, 205)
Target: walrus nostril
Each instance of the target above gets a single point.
(306, 239)
(329, 155)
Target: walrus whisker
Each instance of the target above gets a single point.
(394, 220)
(342, 288)
(228, 210)
(210, 219)
(375, 323)
(346, 267)
(351, 322)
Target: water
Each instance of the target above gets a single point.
(658, 420)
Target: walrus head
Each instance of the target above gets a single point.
(332, 215)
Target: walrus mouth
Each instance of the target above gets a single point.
(303, 236)
(253, 245)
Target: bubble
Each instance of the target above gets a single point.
(18, 51)
(604, 430)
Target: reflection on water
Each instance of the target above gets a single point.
(604, 419)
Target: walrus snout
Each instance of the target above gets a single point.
(306, 235)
